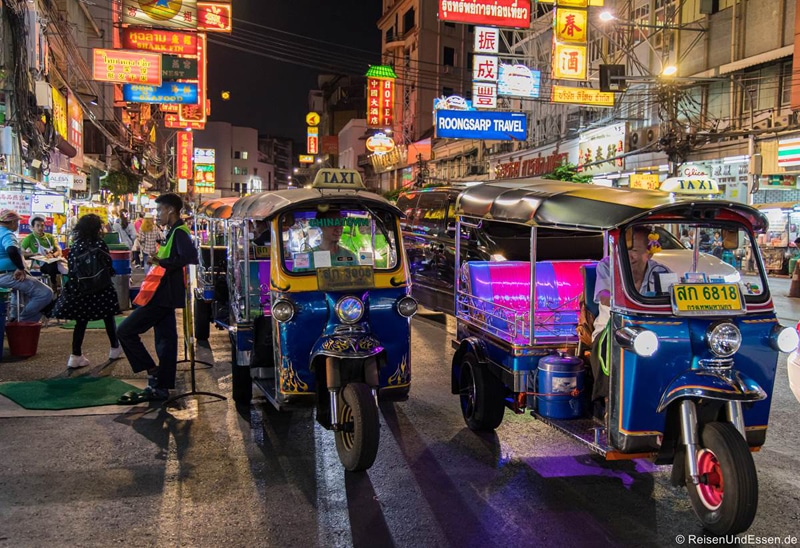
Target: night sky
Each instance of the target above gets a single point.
(272, 95)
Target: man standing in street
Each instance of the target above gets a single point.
(127, 234)
(159, 311)
(13, 274)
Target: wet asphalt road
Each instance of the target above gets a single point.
(207, 475)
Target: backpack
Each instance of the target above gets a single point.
(90, 272)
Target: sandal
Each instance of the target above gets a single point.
(148, 394)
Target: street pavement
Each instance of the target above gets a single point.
(203, 473)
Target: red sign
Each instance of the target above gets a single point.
(214, 17)
(498, 13)
(171, 121)
(312, 144)
(168, 107)
(127, 67)
(330, 144)
(161, 41)
(197, 114)
(185, 155)
(532, 167)
(380, 109)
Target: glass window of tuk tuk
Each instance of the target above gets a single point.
(431, 213)
(407, 203)
(345, 237)
(661, 258)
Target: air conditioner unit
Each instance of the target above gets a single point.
(786, 120)
(643, 137)
(762, 125)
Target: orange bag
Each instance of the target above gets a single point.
(149, 285)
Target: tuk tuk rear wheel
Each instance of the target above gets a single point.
(241, 382)
(482, 395)
(727, 497)
(357, 442)
(202, 320)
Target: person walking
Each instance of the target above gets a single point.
(96, 300)
(163, 290)
(13, 273)
(148, 241)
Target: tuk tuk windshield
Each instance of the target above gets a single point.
(662, 255)
(338, 238)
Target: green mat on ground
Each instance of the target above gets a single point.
(69, 393)
(97, 324)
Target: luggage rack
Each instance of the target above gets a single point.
(514, 325)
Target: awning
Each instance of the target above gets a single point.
(777, 205)
(753, 60)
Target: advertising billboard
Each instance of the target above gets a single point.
(60, 113)
(171, 92)
(518, 81)
(196, 112)
(160, 13)
(582, 96)
(126, 67)
(161, 41)
(214, 16)
(185, 152)
(489, 125)
(178, 68)
(498, 13)
(75, 128)
(380, 108)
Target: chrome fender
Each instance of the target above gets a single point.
(725, 385)
(347, 346)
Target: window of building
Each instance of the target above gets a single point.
(470, 56)
(236, 155)
(786, 83)
(244, 155)
(450, 25)
(449, 57)
(255, 171)
(447, 91)
(470, 28)
(408, 20)
(239, 170)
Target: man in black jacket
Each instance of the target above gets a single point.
(159, 313)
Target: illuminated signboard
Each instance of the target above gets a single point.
(571, 25)
(487, 40)
(204, 178)
(380, 111)
(60, 113)
(160, 13)
(178, 68)
(518, 81)
(484, 94)
(490, 125)
(498, 13)
(161, 41)
(380, 143)
(575, 3)
(569, 62)
(312, 144)
(126, 67)
(75, 128)
(171, 121)
(214, 16)
(306, 158)
(196, 111)
(171, 92)
(184, 154)
(205, 156)
(789, 152)
(582, 96)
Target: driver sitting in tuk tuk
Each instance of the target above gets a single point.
(644, 271)
(331, 223)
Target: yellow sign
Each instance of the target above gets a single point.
(706, 298)
(571, 25)
(313, 130)
(569, 62)
(60, 113)
(338, 178)
(101, 212)
(581, 96)
(574, 3)
(648, 181)
(685, 185)
(312, 119)
(306, 158)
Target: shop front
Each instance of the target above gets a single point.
(534, 162)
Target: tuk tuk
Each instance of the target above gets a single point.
(322, 315)
(689, 351)
(211, 290)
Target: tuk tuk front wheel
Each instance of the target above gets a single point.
(726, 498)
(482, 395)
(357, 441)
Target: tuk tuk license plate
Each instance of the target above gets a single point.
(706, 299)
(344, 278)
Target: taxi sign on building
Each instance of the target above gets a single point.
(338, 178)
(312, 119)
(693, 186)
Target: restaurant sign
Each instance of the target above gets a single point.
(178, 68)
(531, 167)
(126, 67)
(171, 92)
(161, 41)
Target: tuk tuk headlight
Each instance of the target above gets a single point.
(349, 309)
(283, 310)
(642, 341)
(784, 339)
(724, 339)
(407, 307)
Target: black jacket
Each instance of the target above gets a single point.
(171, 291)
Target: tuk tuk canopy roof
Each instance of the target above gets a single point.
(218, 208)
(267, 205)
(544, 202)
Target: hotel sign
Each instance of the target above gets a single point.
(380, 102)
(498, 13)
(126, 67)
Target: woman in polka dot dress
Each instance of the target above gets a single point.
(83, 307)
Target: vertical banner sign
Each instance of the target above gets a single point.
(571, 25)
(75, 129)
(499, 13)
(196, 114)
(569, 62)
(380, 112)
(184, 155)
(487, 40)
(60, 113)
(312, 140)
(570, 39)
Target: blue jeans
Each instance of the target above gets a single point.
(37, 295)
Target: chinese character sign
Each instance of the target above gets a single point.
(380, 102)
(126, 67)
(214, 16)
(569, 62)
(185, 152)
(75, 129)
(599, 150)
(487, 40)
(500, 13)
(485, 68)
(571, 25)
(60, 113)
(484, 95)
(162, 41)
(180, 14)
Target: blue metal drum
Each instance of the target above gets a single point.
(560, 387)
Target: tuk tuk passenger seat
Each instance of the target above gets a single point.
(589, 275)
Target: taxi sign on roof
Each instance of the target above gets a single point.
(686, 185)
(338, 178)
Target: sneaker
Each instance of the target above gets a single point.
(76, 362)
(155, 394)
(115, 353)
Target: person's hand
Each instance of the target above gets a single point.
(19, 275)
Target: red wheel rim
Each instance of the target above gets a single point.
(712, 490)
